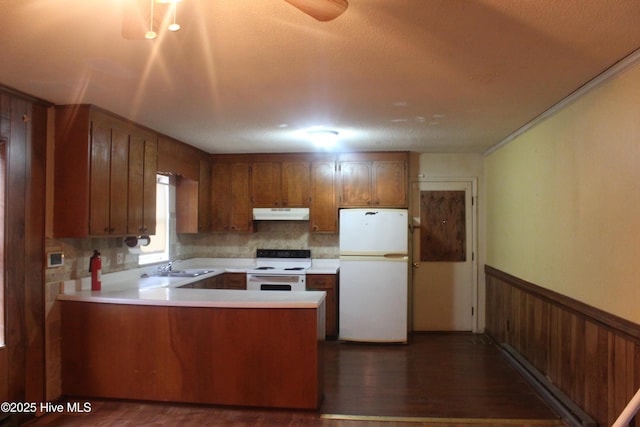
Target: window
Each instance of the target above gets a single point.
(158, 249)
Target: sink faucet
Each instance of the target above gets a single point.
(167, 268)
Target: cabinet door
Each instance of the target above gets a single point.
(99, 179)
(150, 184)
(295, 184)
(323, 211)
(142, 184)
(204, 197)
(136, 185)
(328, 284)
(241, 218)
(235, 281)
(186, 205)
(108, 181)
(220, 196)
(266, 184)
(119, 182)
(230, 197)
(389, 181)
(355, 183)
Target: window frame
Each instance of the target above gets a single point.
(163, 215)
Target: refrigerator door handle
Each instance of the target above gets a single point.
(396, 256)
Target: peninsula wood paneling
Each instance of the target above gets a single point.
(591, 355)
(227, 356)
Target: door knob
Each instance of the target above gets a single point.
(416, 264)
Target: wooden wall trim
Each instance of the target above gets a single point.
(592, 356)
(596, 315)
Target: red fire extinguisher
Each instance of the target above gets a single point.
(95, 268)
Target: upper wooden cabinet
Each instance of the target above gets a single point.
(143, 155)
(230, 194)
(193, 200)
(373, 179)
(177, 158)
(204, 196)
(280, 181)
(323, 213)
(93, 151)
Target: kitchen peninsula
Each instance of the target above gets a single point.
(166, 343)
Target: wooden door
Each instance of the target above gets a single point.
(323, 212)
(443, 278)
(389, 183)
(355, 183)
(295, 184)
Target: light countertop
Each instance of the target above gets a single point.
(141, 287)
(219, 298)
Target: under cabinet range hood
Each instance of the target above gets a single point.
(281, 214)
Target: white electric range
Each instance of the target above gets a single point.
(279, 270)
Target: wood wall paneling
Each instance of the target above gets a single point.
(591, 355)
(23, 126)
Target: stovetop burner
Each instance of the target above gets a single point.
(282, 261)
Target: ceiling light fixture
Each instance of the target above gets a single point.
(151, 34)
(323, 137)
(174, 26)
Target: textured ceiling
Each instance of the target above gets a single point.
(249, 75)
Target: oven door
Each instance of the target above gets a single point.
(270, 282)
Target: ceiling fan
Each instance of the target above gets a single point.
(322, 10)
(141, 17)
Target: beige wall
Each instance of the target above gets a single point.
(563, 200)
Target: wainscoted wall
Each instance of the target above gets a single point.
(591, 355)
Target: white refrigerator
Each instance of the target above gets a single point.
(373, 275)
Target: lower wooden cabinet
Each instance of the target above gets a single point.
(315, 282)
(222, 281)
(328, 283)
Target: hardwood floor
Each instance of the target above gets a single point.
(448, 380)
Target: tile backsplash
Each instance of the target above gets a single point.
(268, 234)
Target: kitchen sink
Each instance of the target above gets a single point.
(185, 273)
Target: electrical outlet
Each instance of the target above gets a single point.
(120, 258)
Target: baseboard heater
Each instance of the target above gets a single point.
(571, 413)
